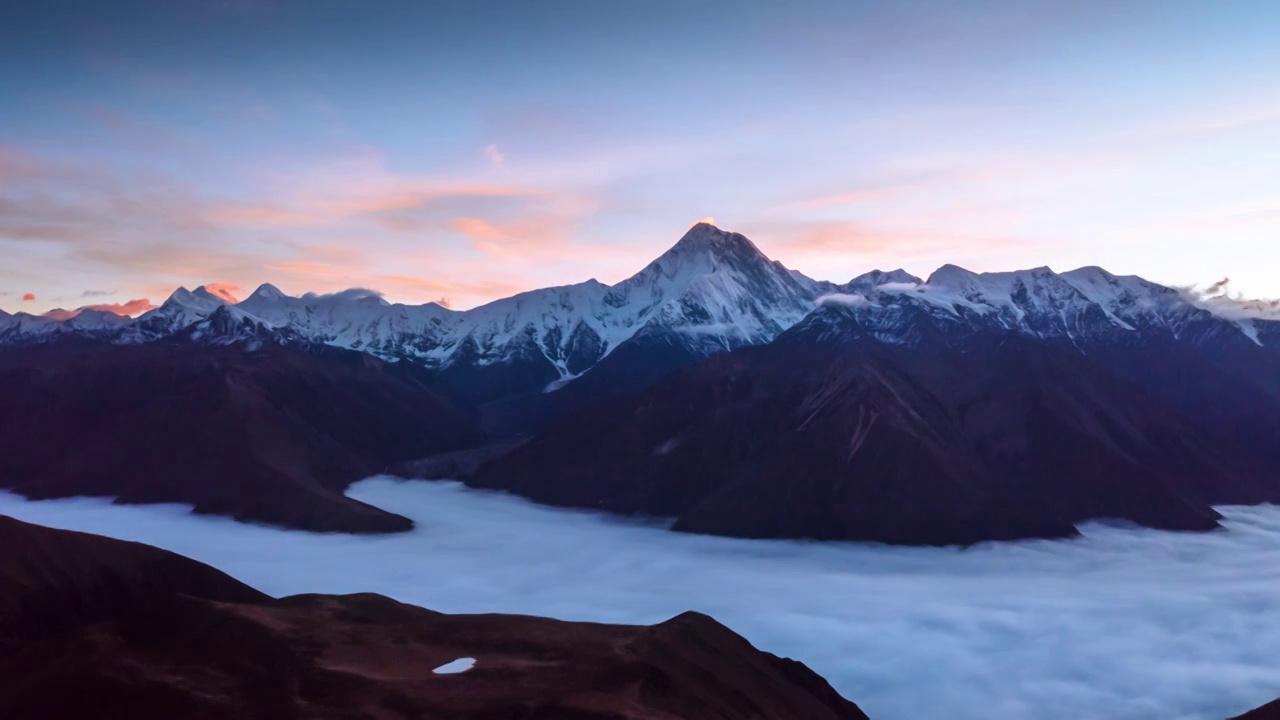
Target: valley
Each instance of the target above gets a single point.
(1121, 622)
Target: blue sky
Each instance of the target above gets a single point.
(467, 151)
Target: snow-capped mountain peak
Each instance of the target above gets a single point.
(716, 284)
(266, 292)
(199, 300)
(97, 320)
(712, 290)
(877, 278)
(706, 238)
(183, 308)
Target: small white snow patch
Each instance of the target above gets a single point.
(555, 385)
(666, 447)
(460, 665)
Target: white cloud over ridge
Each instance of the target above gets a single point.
(1123, 623)
(841, 299)
(1220, 300)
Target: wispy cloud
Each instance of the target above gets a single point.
(843, 199)
(1219, 298)
(131, 308)
(476, 229)
(495, 155)
(342, 189)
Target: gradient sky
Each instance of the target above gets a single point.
(466, 151)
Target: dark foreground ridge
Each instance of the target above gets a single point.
(1270, 711)
(95, 627)
(260, 432)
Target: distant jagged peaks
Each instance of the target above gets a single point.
(200, 298)
(713, 289)
(877, 278)
(204, 293)
(91, 319)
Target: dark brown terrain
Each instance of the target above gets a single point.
(270, 433)
(1270, 711)
(95, 627)
(829, 433)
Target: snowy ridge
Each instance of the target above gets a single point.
(712, 291)
(1084, 304)
(712, 285)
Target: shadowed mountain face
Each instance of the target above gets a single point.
(265, 433)
(954, 435)
(1270, 711)
(94, 627)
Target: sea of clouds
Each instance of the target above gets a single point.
(1122, 623)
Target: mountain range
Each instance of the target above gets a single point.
(720, 388)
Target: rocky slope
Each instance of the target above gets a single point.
(255, 431)
(899, 418)
(95, 627)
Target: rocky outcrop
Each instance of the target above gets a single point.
(953, 435)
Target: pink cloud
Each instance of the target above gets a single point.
(29, 297)
(851, 197)
(321, 208)
(130, 309)
(532, 239)
(476, 229)
(152, 233)
(803, 241)
(17, 164)
(226, 291)
(331, 276)
(348, 187)
(59, 314)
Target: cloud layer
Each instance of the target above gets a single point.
(1127, 624)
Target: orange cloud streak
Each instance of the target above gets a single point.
(322, 205)
(476, 229)
(226, 291)
(130, 309)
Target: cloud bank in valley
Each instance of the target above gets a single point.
(1123, 623)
